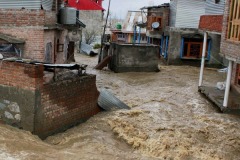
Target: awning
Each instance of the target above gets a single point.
(11, 39)
(84, 5)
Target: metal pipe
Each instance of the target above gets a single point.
(203, 58)
(228, 84)
(134, 36)
(139, 35)
(104, 29)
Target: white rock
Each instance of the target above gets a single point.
(221, 85)
(18, 117)
(6, 101)
(1, 56)
(14, 107)
(8, 115)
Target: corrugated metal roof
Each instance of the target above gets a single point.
(108, 101)
(189, 12)
(173, 11)
(85, 5)
(47, 4)
(26, 4)
(159, 6)
(213, 8)
(11, 39)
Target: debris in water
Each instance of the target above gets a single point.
(108, 101)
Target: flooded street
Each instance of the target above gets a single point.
(169, 119)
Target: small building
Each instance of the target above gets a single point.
(183, 41)
(46, 39)
(157, 21)
(227, 100)
(133, 29)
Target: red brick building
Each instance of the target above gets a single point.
(36, 25)
(227, 99)
(230, 44)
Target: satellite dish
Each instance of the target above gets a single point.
(155, 25)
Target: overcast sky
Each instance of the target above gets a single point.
(119, 8)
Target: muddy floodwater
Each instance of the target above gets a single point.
(169, 119)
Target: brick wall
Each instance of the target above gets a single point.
(28, 25)
(211, 23)
(26, 17)
(50, 18)
(44, 109)
(230, 49)
(23, 17)
(18, 75)
(18, 85)
(34, 41)
(66, 103)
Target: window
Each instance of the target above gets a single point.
(238, 75)
(152, 19)
(192, 48)
(234, 21)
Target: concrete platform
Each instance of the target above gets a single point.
(216, 96)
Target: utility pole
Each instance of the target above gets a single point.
(104, 30)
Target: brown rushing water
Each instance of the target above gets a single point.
(169, 120)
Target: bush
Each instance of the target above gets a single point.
(96, 46)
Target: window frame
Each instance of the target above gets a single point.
(238, 75)
(233, 33)
(208, 49)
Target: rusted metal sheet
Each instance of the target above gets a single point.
(108, 101)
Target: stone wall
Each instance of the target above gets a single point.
(44, 108)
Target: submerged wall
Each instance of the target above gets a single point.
(134, 58)
(43, 109)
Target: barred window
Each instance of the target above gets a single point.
(238, 75)
(234, 21)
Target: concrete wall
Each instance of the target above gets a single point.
(174, 48)
(134, 58)
(44, 108)
(93, 20)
